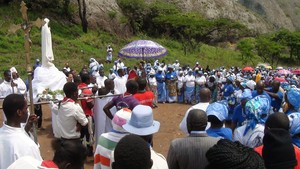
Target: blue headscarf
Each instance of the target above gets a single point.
(217, 109)
(257, 111)
(293, 96)
(294, 123)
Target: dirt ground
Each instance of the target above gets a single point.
(169, 116)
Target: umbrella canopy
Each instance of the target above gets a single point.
(143, 49)
(279, 79)
(284, 72)
(296, 71)
(248, 68)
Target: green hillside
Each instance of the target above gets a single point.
(71, 45)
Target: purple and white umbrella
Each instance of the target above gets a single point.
(143, 49)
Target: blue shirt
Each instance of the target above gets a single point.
(171, 76)
(276, 102)
(160, 77)
(254, 94)
(228, 90)
(238, 116)
(225, 133)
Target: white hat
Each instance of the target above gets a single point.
(120, 118)
(13, 69)
(141, 122)
(251, 84)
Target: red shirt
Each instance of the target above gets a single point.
(85, 93)
(297, 153)
(145, 98)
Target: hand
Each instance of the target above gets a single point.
(13, 84)
(78, 127)
(32, 119)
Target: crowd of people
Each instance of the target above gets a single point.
(237, 119)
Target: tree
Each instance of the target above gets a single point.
(82, 15)
(269, 50)
(135, 10)
(247, 47)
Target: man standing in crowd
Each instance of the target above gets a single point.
(123, 101)
(101, 78)
(143, 96)
(7, 87)
(109, 51)
(20, 85)
(120, 82)
(70, 116)
(87, 106)
(189, 152)
(205, 96)
(276, 95)
(14, 141)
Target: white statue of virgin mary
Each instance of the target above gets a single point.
(47, 53)
(47, 76)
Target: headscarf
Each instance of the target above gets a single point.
(293, 95)
(217, 109)
(294, 123)
(256, 108)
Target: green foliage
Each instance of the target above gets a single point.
(269, 50)
(246, 47)
(135, 10)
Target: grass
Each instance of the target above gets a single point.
(71, 45)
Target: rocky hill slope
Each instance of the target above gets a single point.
(259, 15)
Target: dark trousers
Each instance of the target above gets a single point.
(39, 112)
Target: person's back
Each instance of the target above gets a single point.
(189, 152)
(108, 141)
(70, 114)
(143, 96)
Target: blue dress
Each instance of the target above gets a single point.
(161, 87)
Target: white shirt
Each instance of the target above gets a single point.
(6, 89)
(180, 81)
(120, 85)
(201, 106)
(159, 161)
(120, 65)
(21, 88)
(152, 81)
(200, 80)
(69, 114)
(176, 65)
(189, 80)
(15, 143)
(112, 76)
(100, 81)
(253, 138)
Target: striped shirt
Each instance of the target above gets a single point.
(106, 144)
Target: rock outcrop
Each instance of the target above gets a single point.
(261, 16)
